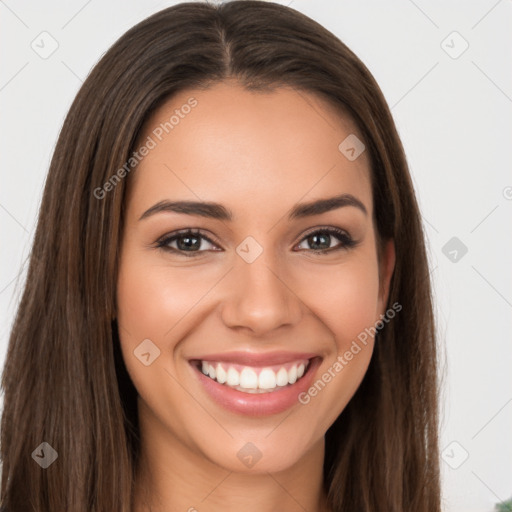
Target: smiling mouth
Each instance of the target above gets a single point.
(252, 379)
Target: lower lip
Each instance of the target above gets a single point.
(258, 404)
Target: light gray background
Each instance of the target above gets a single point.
(454, 117)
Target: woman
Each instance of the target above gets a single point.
(183, 341)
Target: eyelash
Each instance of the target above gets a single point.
(347, 241)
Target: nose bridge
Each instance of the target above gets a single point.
(259, 297)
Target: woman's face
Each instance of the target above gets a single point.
(249, 293)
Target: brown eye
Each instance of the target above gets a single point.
(187, 241)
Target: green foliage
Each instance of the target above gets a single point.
(504, 506)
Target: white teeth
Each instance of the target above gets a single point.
(221, 374)
(233, 377)
(292, 375)
(267, 379)
(282, 377)
(248, 379)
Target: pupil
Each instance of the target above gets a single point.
(186, 242)
(316, 237)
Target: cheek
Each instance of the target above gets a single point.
(152, 298)
(345, 299)
(345, 296)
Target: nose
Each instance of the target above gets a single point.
(259, 298)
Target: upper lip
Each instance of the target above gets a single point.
(257, 359)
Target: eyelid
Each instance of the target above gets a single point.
(324, 228)
(345, 238)
(168, 237)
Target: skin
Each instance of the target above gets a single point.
(258, 155)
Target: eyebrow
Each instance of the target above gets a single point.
(219, 212)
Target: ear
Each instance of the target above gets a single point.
(386, 268)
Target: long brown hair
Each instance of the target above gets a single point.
(64, 380)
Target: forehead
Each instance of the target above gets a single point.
(248, 150)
